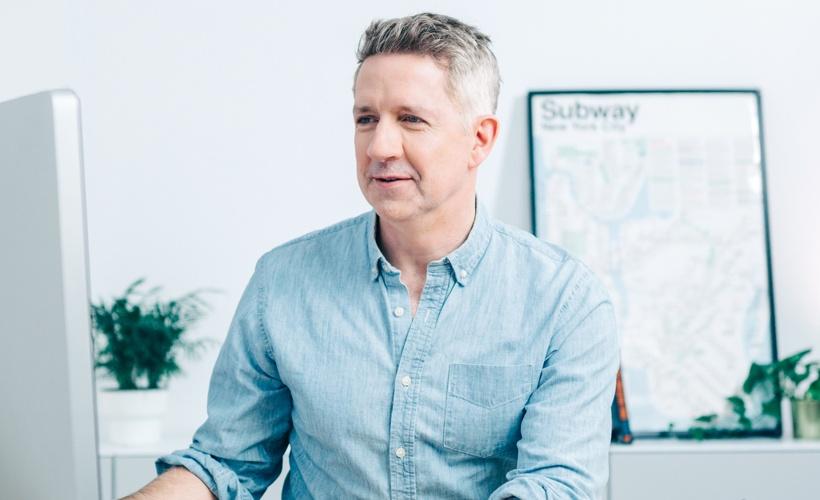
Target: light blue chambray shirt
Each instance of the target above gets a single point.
(500, 386)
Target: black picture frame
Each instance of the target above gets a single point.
(776, 430)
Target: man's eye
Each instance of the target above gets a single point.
(365, 120)
(412, 119)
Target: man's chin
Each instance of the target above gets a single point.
(395, 211)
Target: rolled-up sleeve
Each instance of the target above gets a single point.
(563, 452)
(238, 451)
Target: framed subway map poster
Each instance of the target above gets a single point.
(662, 193)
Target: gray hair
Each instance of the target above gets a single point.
(473, 79)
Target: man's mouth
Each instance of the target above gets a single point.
(388, 180)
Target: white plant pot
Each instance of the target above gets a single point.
(132, 417)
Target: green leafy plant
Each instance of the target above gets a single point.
(800, 379)
(137, 338)
(760, 395)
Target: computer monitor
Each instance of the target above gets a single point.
(48, 442)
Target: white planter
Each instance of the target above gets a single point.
(133, 417)
(806, 418)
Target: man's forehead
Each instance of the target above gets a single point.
(399, 73)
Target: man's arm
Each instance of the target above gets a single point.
(237, 453)
(175, 483)
(563, 452)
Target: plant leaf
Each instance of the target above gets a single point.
(757, 374)
(707, 419)
(738, 405)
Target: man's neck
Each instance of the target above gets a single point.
(411, 245)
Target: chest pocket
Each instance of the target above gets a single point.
(484, 407)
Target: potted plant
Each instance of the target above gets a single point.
(759, 400)
(137, 340)
(800, 382)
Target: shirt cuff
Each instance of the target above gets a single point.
(221, 480)
(521, 487)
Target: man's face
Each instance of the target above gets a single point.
(412, 146)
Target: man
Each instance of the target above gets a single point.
(421, 350)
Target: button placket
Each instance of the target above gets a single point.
(397, 318)
(411, 360)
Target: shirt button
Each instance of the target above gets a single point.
(405, 380)
(400, 452)
(463, 274)
(398, 312)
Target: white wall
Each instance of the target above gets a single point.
(216, 130)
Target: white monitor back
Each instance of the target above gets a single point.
(48, 443)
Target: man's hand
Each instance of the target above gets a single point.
(175, 483)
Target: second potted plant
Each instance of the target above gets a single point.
(137, 341)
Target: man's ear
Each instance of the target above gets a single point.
(486, 132)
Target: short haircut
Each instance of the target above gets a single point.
(463, 51)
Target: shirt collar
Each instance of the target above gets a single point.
(463, 260)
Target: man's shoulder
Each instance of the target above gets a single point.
(321, 241)
(526, 242)
(548, 262)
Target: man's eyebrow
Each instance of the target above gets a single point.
(403, 109)
(416, 110)
(362, 109)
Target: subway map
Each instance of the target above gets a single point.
(662, 196)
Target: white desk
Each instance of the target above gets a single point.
(747, 469)
(737, 469)
(126, 469)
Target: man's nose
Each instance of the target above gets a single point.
(385, 143)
